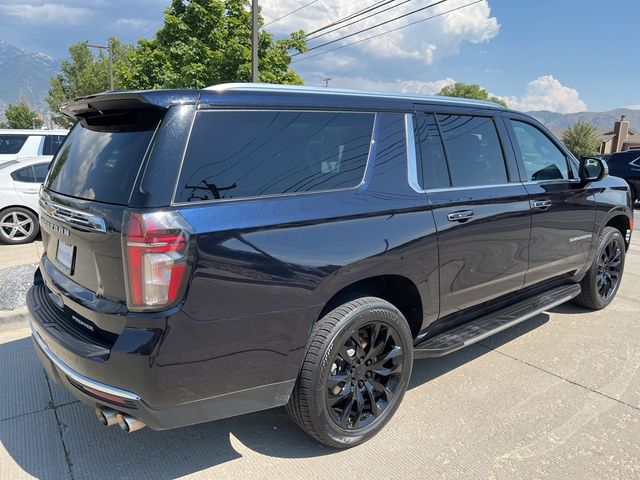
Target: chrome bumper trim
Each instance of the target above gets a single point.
(78, 377)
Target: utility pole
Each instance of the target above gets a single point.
(326, 81)
(254, 41)
(110, 52)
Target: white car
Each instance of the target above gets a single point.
(20, 182)
(15, 144)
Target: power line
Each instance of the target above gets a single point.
(374, 26)
(388, 31)
(359, 20)
(142, 29)
(290, 13)
(362, 11)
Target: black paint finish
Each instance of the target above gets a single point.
(265, 268)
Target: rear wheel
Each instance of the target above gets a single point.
(18, 225)
(355, 373)
(601, 283)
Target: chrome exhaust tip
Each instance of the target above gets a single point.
(106, 416)
(128, 423)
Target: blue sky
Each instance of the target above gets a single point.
(563, 55)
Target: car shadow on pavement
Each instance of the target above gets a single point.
(93, 451)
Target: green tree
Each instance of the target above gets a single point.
(469, 90)
(582, 139)
(85, 73)
(20, 115)
(205, 42)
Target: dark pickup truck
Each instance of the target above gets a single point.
(214, 252)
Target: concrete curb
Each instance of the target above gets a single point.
(10, 319)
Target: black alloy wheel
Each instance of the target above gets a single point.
(355, 372)
(364, 376)
(609, 268)
(602, 281)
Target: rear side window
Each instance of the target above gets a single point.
(256, 153)
(40, 171)
(24, 175)
(542, 159)
(100, 159)
(433, 163)
(473, 150)
(11, 144)
(52, 144)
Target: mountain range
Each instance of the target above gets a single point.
(26, 74)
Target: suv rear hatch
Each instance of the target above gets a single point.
(82, 205)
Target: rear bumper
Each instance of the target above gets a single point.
(162, 378)
(236, 403)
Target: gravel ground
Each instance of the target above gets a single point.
(14, 283)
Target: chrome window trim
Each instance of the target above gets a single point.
(633, 162)
(75, 218)
(367, 166)
(412, 166)
(78, 377)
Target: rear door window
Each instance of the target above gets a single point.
(52, 144)
(11, 144)
(255, 153)
(101, 161)
(432, 162)
(542, 159)
(473, 149)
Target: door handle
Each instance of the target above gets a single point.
(460, 216)
(542, 204)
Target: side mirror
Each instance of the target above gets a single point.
(593, 169)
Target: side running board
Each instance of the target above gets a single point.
(487, 325)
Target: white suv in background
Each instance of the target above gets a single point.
(20, 182)
(15, 144)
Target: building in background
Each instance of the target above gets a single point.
(620, 138)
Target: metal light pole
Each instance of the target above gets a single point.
(110, 52)
(254, 41)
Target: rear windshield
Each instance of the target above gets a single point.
(101, 162)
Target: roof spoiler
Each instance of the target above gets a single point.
(83, 106)
(122, 101)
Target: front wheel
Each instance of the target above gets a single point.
(601, 283)
(355, 373)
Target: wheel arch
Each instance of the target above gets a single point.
(398, 290)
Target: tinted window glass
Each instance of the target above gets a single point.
(100, 163)
(542, 159)
(246, 154)
(40, 170)
(10, 144)
(23, 175)
(52, 144)
(473, 150)
(433, 164)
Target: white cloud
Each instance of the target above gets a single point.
(129, 23)
(46, 13)
(426, 42)
(547, 93)
(632, 107)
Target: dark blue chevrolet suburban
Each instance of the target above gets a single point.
(215, 252)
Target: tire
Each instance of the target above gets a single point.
(335, 369)
(605, 274)
(18, 226)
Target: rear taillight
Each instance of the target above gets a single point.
(156, 258)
